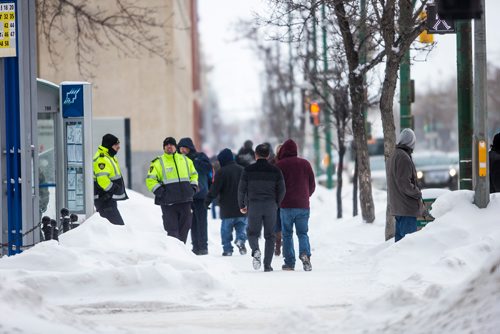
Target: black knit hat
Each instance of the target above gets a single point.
(169, 140)
(225, 156)
(108, 140)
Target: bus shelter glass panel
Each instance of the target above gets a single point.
(47, 164)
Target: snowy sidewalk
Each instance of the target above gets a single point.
(102, 278)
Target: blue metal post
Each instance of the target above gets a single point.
(13, 146)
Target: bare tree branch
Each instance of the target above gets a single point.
(124, 26)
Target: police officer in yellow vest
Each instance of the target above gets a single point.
(173, 180)
(109, 186)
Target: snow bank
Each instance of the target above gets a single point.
(436, 280)
(100, 265)
(472, 307)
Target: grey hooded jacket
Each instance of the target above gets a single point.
(403, 194)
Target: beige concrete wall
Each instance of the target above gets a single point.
(154, 93)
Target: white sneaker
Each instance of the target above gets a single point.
(256, 260)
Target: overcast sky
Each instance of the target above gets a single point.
(236, 68)
(236, 72)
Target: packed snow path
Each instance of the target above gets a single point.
(102, 278)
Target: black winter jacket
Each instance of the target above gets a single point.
(225, 186)
(261, 182)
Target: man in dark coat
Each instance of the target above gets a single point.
(294, 209)
(494, 157)
(204, 168)
(225, 187)
(260, 192)
(403, 194)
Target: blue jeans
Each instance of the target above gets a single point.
(226, 231)
(404, 226)
(299, 217)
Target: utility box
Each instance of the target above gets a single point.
(76, 108)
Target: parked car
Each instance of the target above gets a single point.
(437, 169)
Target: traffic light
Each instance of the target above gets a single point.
(460, 9)
(314, 108)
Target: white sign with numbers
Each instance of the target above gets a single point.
(7, 29)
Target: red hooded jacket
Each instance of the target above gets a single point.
(299, 177)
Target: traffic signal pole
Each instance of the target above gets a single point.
(480, 167)
(327, 110)
(405, 117)
(464, 101)
(317, 160)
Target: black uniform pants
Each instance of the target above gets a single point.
(177, 220)
(111, 213)
(262, 214)
(199, 226)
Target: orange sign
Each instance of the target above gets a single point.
(482, 158)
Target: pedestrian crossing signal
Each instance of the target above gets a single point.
(436, 24)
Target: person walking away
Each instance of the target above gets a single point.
(109, 186)
(225, 187)
(203, 167)
(403, 193)
(273, 159)
(173, 180)
(295, 209)
(246, 154)
(260, 192)
(494, 156)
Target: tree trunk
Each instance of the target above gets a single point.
(358, 126)
(340, 171)
(355, 187)
(387, 114)
(356, 91)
